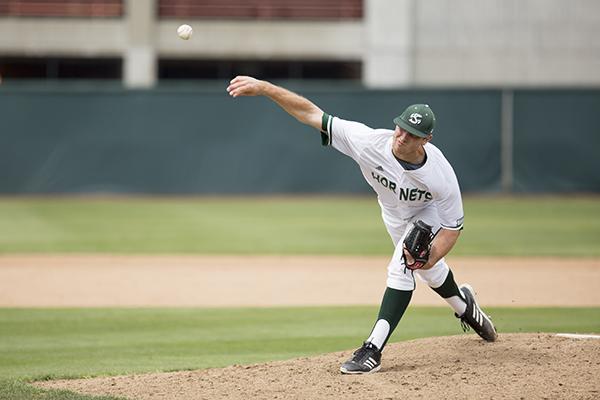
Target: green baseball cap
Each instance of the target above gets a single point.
(417, 119)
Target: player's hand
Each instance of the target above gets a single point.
(245, 86)
(411, 261)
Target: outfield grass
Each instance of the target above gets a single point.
(38, 343)
(538, 226)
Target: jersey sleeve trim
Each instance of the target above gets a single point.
(457, 227)
(453, 228)
(326, 134)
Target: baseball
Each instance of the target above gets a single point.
(185, 31)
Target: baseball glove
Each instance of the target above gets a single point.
(418, 244)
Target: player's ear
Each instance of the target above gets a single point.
(428, 138)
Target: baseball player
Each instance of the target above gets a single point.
(420, 202)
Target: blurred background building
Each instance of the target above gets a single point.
(512, 82)
(383, 43)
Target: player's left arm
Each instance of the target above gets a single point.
(451, 214)
(443, 242)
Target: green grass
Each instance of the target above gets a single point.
(538, 226)
(18, 390)
(54, 343)
(38, 343)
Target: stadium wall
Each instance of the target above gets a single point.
(198, 140)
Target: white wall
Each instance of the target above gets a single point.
(388, 57)
(402, 43)
(507, 42)
(67, 36)
(262, 39)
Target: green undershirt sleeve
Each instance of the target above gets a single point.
(326, 121)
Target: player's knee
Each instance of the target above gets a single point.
(436, 275)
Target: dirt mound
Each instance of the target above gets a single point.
(517, 366)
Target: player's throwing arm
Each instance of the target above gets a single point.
(299, 107)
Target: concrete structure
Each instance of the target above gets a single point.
(388, 57)
(402, 43)
(140, 54)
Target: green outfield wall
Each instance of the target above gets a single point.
(197, 140)
(556, 140)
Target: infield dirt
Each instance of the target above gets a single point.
(517, 366)
(265, 281)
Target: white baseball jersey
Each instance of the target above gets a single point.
(430, 193)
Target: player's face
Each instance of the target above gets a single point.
(405, 142)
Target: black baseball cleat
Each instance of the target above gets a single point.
(475, 318)
(365, 360)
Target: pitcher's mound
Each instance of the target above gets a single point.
(517, 366)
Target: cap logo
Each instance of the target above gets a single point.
(415, 118)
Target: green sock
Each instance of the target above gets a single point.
(392, 309)
(449, 287)
(450, 292)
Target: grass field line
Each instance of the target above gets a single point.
(578, 336)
